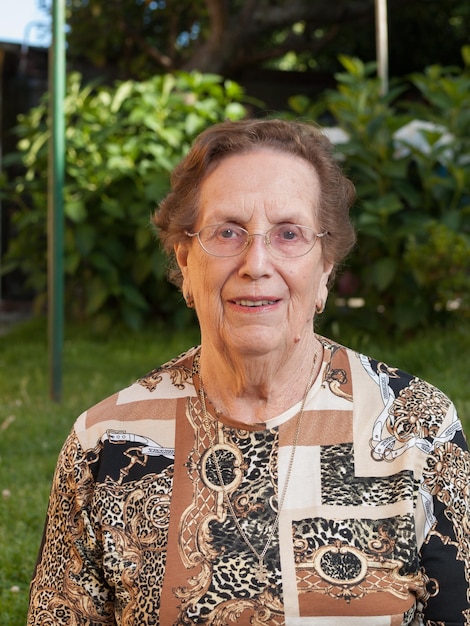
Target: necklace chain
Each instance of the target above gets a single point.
(261, 574)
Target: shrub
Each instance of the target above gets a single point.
(410, 160)
(408, 152)
(121, 144)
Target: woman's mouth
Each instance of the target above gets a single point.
(254, 303)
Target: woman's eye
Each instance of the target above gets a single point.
(288, 234)
(228, 232)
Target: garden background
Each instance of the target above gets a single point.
(402, 296)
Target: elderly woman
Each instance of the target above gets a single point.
(269, 475)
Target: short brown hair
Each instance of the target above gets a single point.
(178, 211)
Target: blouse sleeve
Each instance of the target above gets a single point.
(445, 554)
(68, 585)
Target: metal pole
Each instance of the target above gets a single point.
(381, 40)
(2, 59)
(55, 200)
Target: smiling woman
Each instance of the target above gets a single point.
(267, 475)
(256, 308)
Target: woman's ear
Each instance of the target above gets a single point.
(322, 292)
(181, 255)
(327, 269)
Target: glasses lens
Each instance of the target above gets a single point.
(290, 240)
(284, 240)
(223, 239)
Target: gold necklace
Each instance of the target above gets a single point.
(261, 571)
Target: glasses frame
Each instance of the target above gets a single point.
(267, 241)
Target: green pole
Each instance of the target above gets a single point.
(55, 200)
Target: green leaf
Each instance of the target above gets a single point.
(134, 297)
(75, 210)
(85, 237)
(466, 55)
(193, 124)
(353, 66)
(167, 85)
(71, 263)
(97, 294)
(131, 316)
(123, 92)
(235, 111)
(384, 206)
(383, 272)
(143, 237)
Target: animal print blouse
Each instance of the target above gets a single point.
(374, 529)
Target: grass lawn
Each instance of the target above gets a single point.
(33, 428)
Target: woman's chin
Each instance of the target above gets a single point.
(258, 341)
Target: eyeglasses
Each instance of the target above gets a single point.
(283, 240)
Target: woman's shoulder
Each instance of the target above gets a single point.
(177, 372)
(394, 411)
(153, 397)
(371, 376)
(379, 370)
(398, 398)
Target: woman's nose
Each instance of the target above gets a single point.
(256, 259)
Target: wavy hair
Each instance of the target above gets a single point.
(178, 211)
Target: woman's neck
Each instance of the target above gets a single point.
(254, 388)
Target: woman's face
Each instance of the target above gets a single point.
(256, 303)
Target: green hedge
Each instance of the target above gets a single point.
(411, 267)
(412, 264)
(121, 144)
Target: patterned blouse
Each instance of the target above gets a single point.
(374, 529)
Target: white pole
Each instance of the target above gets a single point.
(381, 39)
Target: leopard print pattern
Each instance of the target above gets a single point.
(231, 586)
(444, 478)
(350, 559)
(341, 486)
(135, 522)
(418, 411)
(104, 559)
(69, 508)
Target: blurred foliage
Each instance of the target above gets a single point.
(121, 145)
(139, 38)
(408, 153)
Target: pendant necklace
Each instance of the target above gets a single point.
(261, 571)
